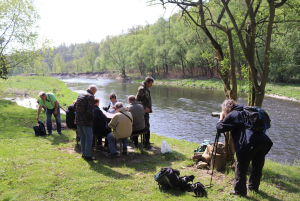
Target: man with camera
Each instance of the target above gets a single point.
(49, 101)
(250, 146)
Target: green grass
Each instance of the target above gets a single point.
(51, 168)
(47, 168)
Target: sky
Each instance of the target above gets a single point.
(79, 21)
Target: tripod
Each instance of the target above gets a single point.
(215, 153)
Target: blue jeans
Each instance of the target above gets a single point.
(112, 145)
(86, 139)
(49, 113)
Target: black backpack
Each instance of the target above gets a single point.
(70, 116)
(169, 178)
(256, 119)
(39, 130)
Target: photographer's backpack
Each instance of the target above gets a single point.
(39, 130)
(168, 178)
(256, 119)
(70, 117)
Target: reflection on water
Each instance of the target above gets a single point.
(28, 102)
(25, 102)
(185, 113)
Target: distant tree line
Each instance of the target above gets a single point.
(173, 46)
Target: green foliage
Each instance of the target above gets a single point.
(19, 42)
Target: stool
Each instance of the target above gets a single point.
(142, 137)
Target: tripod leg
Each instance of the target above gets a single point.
(214, 152)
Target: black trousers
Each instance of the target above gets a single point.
(147, 135)
(136, 138)
(257, 156)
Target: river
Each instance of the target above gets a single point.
(185, 113)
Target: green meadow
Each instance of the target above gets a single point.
(51, 167)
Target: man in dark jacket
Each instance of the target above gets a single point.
(84, 108)
(144, 98)
(100, 125)
(249, 146)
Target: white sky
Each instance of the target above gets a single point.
(77, 21)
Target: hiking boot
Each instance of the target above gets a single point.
(148, 146)
(251, 189)
(90, 158)
(233, 192)
(114, 155)
(124, 151)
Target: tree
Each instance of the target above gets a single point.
(253, 22)
(19, 37)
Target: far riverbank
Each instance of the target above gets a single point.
(283, 91)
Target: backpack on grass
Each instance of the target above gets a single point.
(169, 178)
(199, 189)
(39, 130)
(256, 119)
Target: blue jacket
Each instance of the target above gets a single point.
(243, 138)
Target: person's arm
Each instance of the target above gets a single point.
(56, 107)
(39, 112)
(228, 123)
(113, 123)
(90, 107)
(139, 97)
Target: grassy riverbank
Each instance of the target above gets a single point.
(46, 168)
(32, 85)
(284, 91)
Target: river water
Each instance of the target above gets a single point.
(185, 113)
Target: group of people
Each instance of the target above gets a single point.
(250, 146)
(91, 121)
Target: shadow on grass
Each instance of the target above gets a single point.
(145, 162)
(282, 181)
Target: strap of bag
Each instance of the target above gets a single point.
(127, 116)
(50, 101)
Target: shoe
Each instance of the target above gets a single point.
(124, 151)
(49, 132)
(148, 146)
(135, 146)
(232, 192)
(251, 189)
(90, 158)
(114, 155)
(82, 156)
(60, 133)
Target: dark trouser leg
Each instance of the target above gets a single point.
(258, 162)
(147, 135)
(48, 120)
(106, 142)
(58, 119)
(240, 176)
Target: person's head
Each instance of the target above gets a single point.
(148, 82)
(113, 97)
(93, 89)
(131, 99)
(227, 106)
(97, 101)
(43, 95)
(119, 105)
